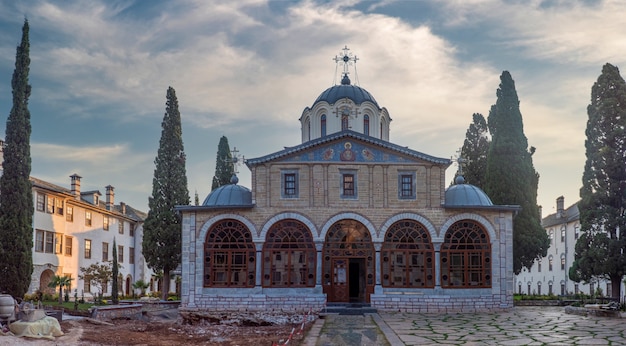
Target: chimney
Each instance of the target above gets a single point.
(110, 197)
(560, 210)
(123, 208)
(75, 178)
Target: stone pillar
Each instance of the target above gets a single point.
(437, 265)
(378, 288)
(259, 264)
(318, 268)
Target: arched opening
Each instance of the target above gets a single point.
(366, 124)
(44, 280)
(466, 256)
(289, 256)
(407, 256)
(128, 288)
(229, 255)
(348, 262)
(323, 125)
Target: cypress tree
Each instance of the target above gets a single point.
(16, 195)
(474, 151)
(162, 227)
(511, 178)
(224, 167)
(602, 244)
(115, 272)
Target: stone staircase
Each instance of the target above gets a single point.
(348, 309)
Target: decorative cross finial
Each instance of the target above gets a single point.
(236, 159)
(346, 59)
(460, 162)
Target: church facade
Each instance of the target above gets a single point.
(347, 216)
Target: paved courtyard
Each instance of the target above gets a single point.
(521, 326)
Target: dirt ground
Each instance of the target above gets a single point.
(161, 330)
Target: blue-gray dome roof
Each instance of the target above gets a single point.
(464, 195)
(357, 94)
(231, 195)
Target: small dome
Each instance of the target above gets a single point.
(463, 195)
(229, 196)
(335, 93)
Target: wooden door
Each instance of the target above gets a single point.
(340, 284)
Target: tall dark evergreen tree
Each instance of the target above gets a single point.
(16, 196)
(115, 271)
(600, 250)
(474, 151)
(224, 166)
(162, 228)
(511, 178)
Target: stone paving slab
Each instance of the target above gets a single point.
(519, 326)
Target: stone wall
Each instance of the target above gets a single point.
(440, 303)
(112, 312)
(259, 302)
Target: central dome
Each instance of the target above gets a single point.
(335, 93)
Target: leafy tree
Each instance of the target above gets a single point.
(601, 246)
(474, 151)
(511, 178)
(60, 281)
(114, 276)
(224, 166)
(16, 196)
(162, 228)
(97, 274)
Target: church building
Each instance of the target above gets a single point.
(347, 216)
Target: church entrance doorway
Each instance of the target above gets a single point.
(348, 263)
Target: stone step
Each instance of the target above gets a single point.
(349, 309)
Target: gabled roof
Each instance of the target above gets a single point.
(570, 214)
(131, 212)
(353, 135)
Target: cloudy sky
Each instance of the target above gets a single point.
(247, 69)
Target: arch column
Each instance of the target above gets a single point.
(259, 264)
(378, 288)
(318, 264)
(437, 248)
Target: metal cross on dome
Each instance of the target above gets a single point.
(236, 159)
(346, 58)
(460, 161)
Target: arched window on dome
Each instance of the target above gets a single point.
(381, 130)
(289, 256)
(466, 256)
(408, 258)
(308, 123)
(323, 125)
(366, 124)
(229, 255)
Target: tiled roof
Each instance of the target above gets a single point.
(348, 134)
(570, 214)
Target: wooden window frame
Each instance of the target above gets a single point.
(289, 255)
(68, 245)
(69, 214)
(87, 251)
(41, 202)
(407, 256)
(88, 218)
(466, 256)
(229, 256)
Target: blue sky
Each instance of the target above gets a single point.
(247, 69)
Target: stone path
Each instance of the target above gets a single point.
(520, 326)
